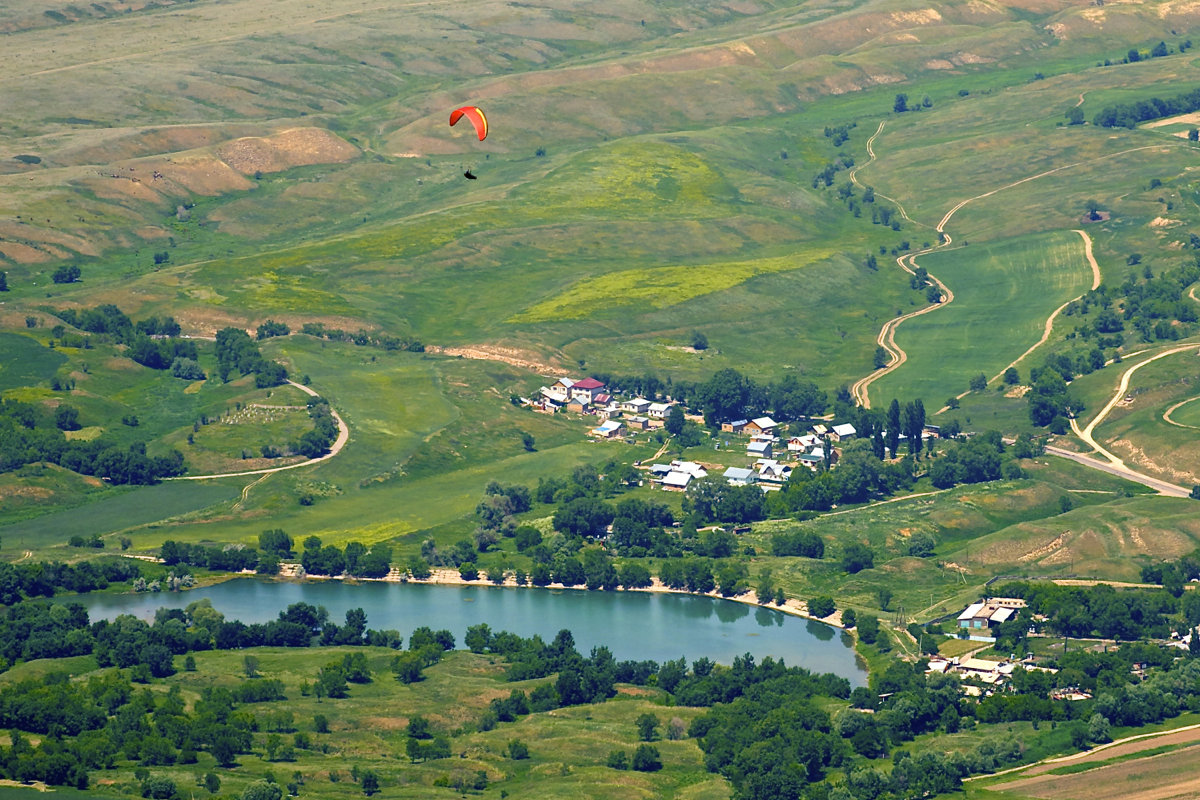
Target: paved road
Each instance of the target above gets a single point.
(1162, 487)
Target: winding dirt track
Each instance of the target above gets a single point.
(887, 334)
(1167, 414)
(339, 443)
(1086, 433)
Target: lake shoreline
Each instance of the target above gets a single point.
(450, 577)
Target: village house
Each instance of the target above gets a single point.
(586, 390)
(760, 425)
(638, 405)
(559, 391)
(577, 405)
(608, 430)
(820, 430)
(733, 427)
(658, 410)
(772, 474)
(740, 476)
(841, 433)
(759, 449)
(803, 444)
(637, 423)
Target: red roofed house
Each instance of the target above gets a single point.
(586, 390)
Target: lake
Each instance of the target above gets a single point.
(633, 625)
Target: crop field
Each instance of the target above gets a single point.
(1153, 769)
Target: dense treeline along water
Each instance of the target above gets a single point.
(633, 625)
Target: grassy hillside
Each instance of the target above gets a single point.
(651, 173)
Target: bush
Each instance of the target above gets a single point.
(66, 274)
(821, 606)
(857, 557)
(646, 759)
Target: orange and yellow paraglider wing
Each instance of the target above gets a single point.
(475, 115)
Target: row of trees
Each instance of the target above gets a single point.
(43, 578)
(1130, 115)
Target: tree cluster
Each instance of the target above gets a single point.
(1130, 115)
(28, 434)
(152, 342)
(236, 351)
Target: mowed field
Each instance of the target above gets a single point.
(1141, 431)
(1003, 293)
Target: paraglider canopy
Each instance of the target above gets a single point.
(470, 176)
(475, 115)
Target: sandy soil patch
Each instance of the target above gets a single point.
(26, 492)
(1045, 550)
(1163, 222)
(201, 174)
(925, 16)
(1017, 391)
(1131, 452)
(1182, 119)
(41, 787)
(507, 355)
(296, 147)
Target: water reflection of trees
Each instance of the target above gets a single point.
(728, 611)
(767, 618)
(819, 630)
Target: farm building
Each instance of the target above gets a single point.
(733, 427)
(989, 613)
(676, 481)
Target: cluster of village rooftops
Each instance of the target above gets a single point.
(772, 456)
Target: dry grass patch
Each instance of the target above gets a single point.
(291, 148)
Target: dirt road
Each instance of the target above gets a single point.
(338, 444)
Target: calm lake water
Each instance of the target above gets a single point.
(634, 625)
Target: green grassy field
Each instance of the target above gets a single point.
(1003, 293)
